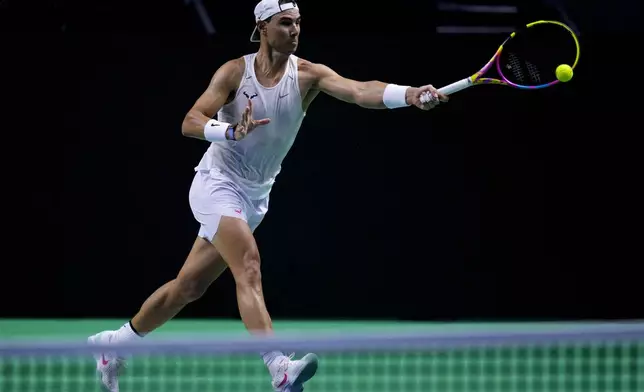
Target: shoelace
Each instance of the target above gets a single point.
(283, 366)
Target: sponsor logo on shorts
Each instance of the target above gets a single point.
(238, 210)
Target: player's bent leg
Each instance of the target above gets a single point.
(202, 267)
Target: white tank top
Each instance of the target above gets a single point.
(254, 162)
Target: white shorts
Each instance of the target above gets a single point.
(213, 195)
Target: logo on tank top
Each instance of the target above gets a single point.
(251, 96)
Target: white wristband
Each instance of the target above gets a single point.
(215, 131)
(394, 96)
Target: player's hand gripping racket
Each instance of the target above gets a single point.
(527, 59)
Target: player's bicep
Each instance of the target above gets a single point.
(330, 82)
(210, 101)
(223, 83)
(220, 88)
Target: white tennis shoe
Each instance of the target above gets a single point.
(292, 374)
(109, 366)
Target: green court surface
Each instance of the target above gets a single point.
(605, 367)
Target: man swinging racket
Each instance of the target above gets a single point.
(260, 101)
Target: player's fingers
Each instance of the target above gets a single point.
(429, 101)
(256, 123)
(240, 132)
(426, 97)
(442, 97)
(429, 89)
(250, 106)
(246, 115)
(433, 102)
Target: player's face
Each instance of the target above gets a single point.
(283, 31)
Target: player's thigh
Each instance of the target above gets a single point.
(235, 242)
(203, 265)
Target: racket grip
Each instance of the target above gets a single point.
(455, 87)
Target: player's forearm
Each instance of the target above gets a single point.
(369, 95)
(379, 95)
(193, 125)
(199, 126)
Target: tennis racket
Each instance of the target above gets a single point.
(526, 60)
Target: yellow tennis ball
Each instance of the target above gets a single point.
(564, 73)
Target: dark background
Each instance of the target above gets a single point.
(501, 205)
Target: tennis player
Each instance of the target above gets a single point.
(260, 100)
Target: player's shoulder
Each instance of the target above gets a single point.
(307, 66)
(304, 64)
(310, 68)
(231, 73)
(234, 67)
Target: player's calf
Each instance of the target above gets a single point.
(250, 296)
(189, 289)
(202, 267)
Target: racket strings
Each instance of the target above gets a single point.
(533, 71)
(514, 65)
(523, 71)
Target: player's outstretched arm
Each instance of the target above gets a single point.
(198, 122)
(372, 94)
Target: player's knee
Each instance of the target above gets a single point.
(250, 272)
(189, 290)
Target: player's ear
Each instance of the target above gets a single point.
(262, 26)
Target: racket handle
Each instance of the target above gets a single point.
(455, 87)
(448, 90)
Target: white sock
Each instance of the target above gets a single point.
(272, 360)
(127, 334)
